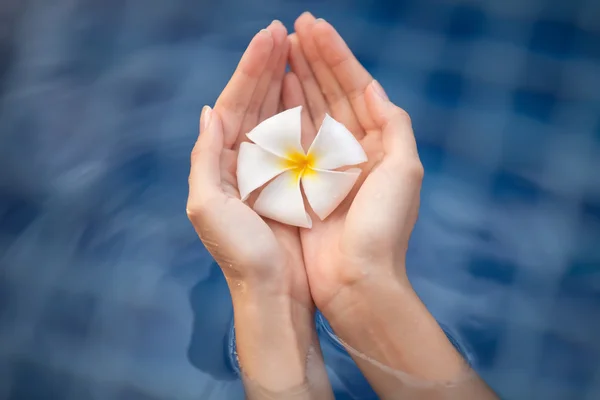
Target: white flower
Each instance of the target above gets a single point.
(277, 153)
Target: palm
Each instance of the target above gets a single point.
(331, 80)
(235, 235)
(263, 240)
(331, 245)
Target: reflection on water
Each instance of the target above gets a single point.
(213, 314)
(105, 291)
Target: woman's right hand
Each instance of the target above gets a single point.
(355, 258)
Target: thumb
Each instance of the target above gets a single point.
(395, 125)
(205, 173)
(399, 175)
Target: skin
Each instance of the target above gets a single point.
(352, 265)
(261, 259)
(367, 235)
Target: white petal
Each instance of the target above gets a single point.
(280, 134)
(325, 190)
(255, 167)
(335, 146)
(281, 200)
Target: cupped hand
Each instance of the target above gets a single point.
(366, 237)
(250, 251)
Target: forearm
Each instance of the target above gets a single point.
(277, 347)
(399, 346)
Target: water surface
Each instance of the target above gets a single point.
(106, 292)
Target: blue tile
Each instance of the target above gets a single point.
(68, 316)
(587, 44)
(136, 393)
(492, 269)
(387, 11)
(542, 77)
(522, 150)
(483, 338)
(431, 17)
(6, 294)
(9, 44)
(581, 281)
(566, 361)
(445, 88)
(467, 22)
(187, 25)
(432, 157)
(17, 212)
(33, 381)
(535, 104)
(7, 52)
(92, 42)
(97, 242)
(510, 188)
(147, 91)
(137, 171)
(590, 208)
(212, 315)
(553, 37)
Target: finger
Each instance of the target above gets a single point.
(273, 97)
(279, 35)
(396, 180)
(337, 101)
(205, 175)
(235, 98)
(316, 104)
(292, 96)
(349, 72)
(229, 173)
(398, 139)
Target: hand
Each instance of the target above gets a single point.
(355, 258)
(250, 250)
(366, 237)
(261, 260)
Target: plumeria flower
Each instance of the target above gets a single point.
(276, 152)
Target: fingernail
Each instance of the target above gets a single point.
(205, 118)
(379, 90)
(276, 21)
(265, 32)
(319, 20)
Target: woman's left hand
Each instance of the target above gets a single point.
(261, 260)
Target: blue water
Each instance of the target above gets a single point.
(106, 292)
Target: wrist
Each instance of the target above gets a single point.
(367, 300)
(275, 335)
(272, 281)
(264, 303)
(384, 320)
(364, 291)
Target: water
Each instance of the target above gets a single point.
(105, 292)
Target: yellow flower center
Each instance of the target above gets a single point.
(300, 164)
